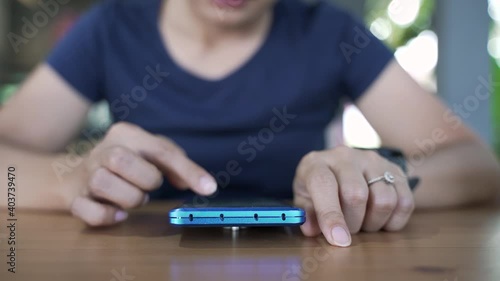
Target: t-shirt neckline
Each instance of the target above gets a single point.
(194, 78)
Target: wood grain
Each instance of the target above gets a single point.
(446, 245)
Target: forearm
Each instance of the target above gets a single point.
(39, 183)
(461, 174)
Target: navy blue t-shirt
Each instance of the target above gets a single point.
(251, 128)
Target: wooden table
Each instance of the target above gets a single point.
(438, 246)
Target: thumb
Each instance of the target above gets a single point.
(96, 214)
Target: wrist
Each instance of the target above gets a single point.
(71, 175)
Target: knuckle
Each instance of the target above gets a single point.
(343, 151)
(162, 140)
(119, 159)
(173, 153)
(168, 153)
(133, 202)
(356, 197)
(155, 181)
(169, 145)
(165, 157)
(311, 157)
(385, 205)
(406, 206)
(309, 163)
(372, 156)
(320, 180)
(330, 216)
(117, 129)
(180, 150)
(153, 185)
(98, 182)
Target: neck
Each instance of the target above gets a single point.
(178, 16)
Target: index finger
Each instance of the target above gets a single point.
(172, 160)
(324, 191)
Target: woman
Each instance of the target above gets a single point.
(238, 92)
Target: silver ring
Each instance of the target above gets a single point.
(387, 177)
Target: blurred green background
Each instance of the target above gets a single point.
(397, 35)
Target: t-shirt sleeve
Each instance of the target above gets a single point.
(78, 58)
(364, 57)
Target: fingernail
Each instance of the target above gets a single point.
(208, 184)
(146, 200)
(341, 237)
(120, 216)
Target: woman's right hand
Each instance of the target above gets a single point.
(128, 163)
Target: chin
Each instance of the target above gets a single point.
(232, 13)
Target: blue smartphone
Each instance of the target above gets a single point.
(238, 212)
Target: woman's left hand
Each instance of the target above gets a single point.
(332, 187)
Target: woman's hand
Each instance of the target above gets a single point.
(127, 164)
(332, 186)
